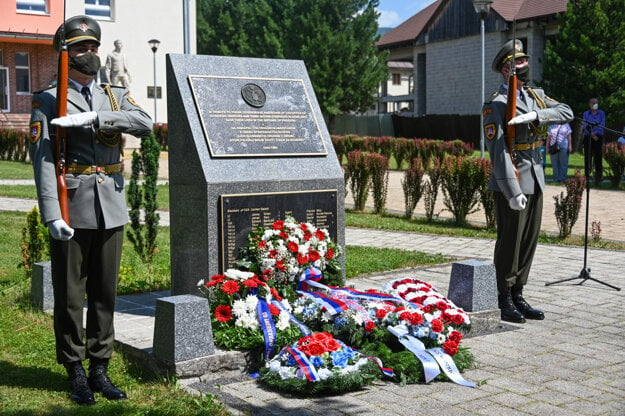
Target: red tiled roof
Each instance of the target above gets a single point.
(507, 9)
(411, 28)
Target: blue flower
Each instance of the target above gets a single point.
(339, 359)
(317, 361)
(350, 352)
(291, 361)
(340, 321)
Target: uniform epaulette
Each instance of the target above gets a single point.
(112, 86)
(492, 97)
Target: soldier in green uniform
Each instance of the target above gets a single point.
(518, 200)
(85, 253)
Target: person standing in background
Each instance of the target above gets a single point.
(560, 137)
(594, 122)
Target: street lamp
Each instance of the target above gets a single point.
(482, 7)
(154, 46)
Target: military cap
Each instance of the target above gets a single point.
(505, 54)
(77, 29)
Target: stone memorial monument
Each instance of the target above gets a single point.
(248, 145)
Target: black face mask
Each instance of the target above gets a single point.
(87, 63)
(523, 74)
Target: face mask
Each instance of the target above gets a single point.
(87, 63)
(595, 106)
(523, 74)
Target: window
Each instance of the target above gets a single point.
(22, 72)
(99, 9)
(32, 6)
(396, 79)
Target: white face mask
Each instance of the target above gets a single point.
(595, 106)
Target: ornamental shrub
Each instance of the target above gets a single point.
(568, 206)
(340, 144)
(160, 132)
(412, 184)
(404, 150)
(614, 155)
(377, 165)
(143, 235)
(358, 177)
(430, 188)
(13, 145)
(487, 197)
(460, 183)
(35, 241)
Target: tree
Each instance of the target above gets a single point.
(334, 38)
(587, 57)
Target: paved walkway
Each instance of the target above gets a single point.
(572, 363)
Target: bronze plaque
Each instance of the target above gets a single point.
(252, 117)
(243, 213)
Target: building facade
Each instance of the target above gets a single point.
(28, 62)
(443, 44)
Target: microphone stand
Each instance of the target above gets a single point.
(584, 274)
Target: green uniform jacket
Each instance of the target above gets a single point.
(529, 162)
(97, 199)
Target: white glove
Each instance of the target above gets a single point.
(76, 120)
(59, 230)
(518, 202)
(524, 118)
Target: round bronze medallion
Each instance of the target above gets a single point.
(253, 95)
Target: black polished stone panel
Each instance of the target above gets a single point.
(243, 213)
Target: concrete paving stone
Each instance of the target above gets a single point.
(512, 384)
(541, 409)
(488, 408)
(587, 408)
(510, 399)
(547, 396)
(460, 395)
(572, 388)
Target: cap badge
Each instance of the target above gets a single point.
(83, 26)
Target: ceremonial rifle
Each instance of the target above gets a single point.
(61, 133)
(511, 103)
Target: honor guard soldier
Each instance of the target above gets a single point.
(517, 177)
(86, 252)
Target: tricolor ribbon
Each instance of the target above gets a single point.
(304, 363)
(333, 306)
(267, 325)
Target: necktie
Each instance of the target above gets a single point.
(86, 92)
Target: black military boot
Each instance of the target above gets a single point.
(81, 393)
(99, 381)
(523, 306)
(509, 312)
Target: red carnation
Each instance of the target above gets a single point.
(307, 236)
(320, 235)
(274, 310)
(455, 336)
(230, 287)
(369, 326)
(381, 313)
(313, 255)
(332, 345)
(292, 246)
(212, 283)
(415, 318)
(223, 313)
(301, 259)
(267, 274)
(458, 319)
(313, 348)
(442, 305)
(280, 265)
(437, 325)
(278, 225)
(303, 227)
(262, 244)
(250, 282)
(329, 254)
(273, 254)
(218, 278)
(450, 347)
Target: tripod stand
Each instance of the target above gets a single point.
(584, 274)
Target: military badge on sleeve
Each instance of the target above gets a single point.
(35, 131)
(131, 100)
(490, 131)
